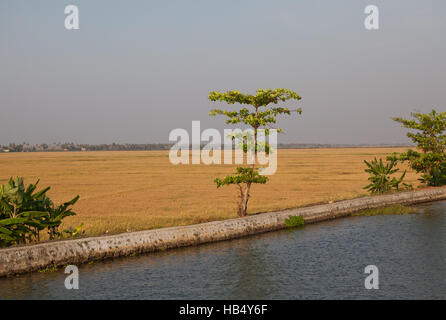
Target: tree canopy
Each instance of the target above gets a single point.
(432, 126)
(262, 115)
(430, 137)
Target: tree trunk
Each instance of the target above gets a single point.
(244, 197)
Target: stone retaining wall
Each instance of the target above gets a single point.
(59, 253)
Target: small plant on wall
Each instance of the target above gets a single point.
(294, 222)
(259, 115)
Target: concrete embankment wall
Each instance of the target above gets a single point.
(59, 253)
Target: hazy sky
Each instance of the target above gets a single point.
(138, 69)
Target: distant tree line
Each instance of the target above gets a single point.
(26, 147)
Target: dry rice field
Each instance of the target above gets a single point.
(128, 191)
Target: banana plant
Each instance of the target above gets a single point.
(380, 176)
(24, 213)
(55, 216)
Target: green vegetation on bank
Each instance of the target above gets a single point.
(294, 222)
(430, 138)
(392, 209)
(48, 270)
(428, 133)
(381, 180)
(25, 213)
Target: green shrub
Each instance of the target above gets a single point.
(430, 138)
(436, 176)
(380, 176)
(294, 221)
(24, 213)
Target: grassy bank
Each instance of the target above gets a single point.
(393, 209)
(128, 191)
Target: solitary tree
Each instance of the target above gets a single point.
(430, 138)
(259, 116)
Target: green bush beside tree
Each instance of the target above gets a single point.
(430, 138)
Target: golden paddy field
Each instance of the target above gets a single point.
(136, 190)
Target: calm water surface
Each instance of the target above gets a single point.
(321, 261)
